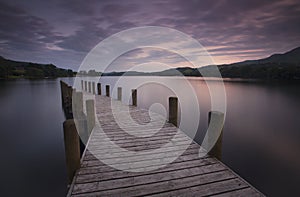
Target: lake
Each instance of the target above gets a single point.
(261, 139)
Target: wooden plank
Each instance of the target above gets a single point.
(148, 179)
(143, 163)
(162, 186)
(136, 148)
(96, 166)
(108, 173)
(240, 193)
(214, 187)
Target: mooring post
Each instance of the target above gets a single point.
(69, 94)
(173, 110)
(82, 127)
(93, 87)
(90, 113)
(119, 93)
(89, 84)
(72, 149)
(99, 88)
(107, 90)
(62, 91)
(85, 86)
(134, 97)
(82, 85)
(215, 133)
(77, 104)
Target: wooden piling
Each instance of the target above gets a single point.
(119, 93)
(72, 149)
(216, 131)
(89, 85)
(81, 125)
(99, 88)
(107, 90)
(63, 92)
(85, 86)
(90, 113)
(173, 110)
(77, 103)
(134, 97)
(93, 88)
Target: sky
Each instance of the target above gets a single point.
(63, 32)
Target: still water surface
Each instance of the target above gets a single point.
(261, 139)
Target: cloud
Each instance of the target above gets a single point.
(235, 29)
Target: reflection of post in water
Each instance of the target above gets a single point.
(215, 133)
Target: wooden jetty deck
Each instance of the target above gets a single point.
(188, 175)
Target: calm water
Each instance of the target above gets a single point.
(33, 162)
(261, 136)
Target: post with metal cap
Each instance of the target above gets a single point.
(134, 97)
(215, 133)
(99, 88)
(107, 90)
(173, 110)
(90, 113)
(72, 149)
(119, 93)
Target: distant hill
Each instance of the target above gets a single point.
(290, 57)
(276, 67)
(16, 69)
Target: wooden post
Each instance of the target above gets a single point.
(77, 104)
(89, 87)
(99, 88)
(85, 86)
(82, 85)
(215, 131)
(173, 110)
(90, 113)
(62, 91)
(72, 149)
(81, 124)
(119, 93)
(93, 87)
(134, 97)
(107, 90)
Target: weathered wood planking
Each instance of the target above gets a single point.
(188, 175)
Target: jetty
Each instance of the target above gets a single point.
(144, 154)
